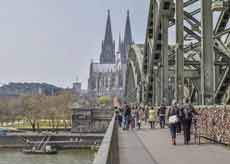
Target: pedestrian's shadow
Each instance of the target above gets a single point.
(193, 144)
(142, 129)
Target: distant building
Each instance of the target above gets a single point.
(16, 89)
(77, 88)
(107, 77)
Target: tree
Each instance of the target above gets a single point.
(10, 109)
(3, 111)
(58, 108)
(105, 100)
(32, 109)
(66, 100)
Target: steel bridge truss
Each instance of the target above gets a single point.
(196, 65)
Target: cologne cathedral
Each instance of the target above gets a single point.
(107, 77)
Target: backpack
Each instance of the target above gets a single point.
(187, 112)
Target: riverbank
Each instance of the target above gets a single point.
(61, 140)
(15, 156)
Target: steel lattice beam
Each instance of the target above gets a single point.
(200, 54)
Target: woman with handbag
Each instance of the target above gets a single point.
(173, 118)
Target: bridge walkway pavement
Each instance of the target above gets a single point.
(154, 147)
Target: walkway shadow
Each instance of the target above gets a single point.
(195, 144)
(149, 129)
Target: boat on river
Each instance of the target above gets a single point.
(42, 148)
(40, 152)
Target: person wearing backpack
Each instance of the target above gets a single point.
(188, 111)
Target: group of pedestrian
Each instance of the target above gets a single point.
(134, 116)
(180, 118)
(130, 116)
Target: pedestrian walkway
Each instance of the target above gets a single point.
(154, 147)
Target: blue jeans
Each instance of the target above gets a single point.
(173, 128)
(162, 121)
(125, 122)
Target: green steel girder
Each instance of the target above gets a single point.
(152, 58)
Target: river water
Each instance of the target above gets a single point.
(63, 157)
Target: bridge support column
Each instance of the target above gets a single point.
(144, 93)
(158, 87)
(207, 54)
(165, 67)
(154, 88)
(179, 51)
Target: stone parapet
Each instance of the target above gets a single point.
(108, 152)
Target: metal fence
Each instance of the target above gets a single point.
(214, 123)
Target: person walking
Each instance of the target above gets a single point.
(141, 114)
(179, 124)
(137, 117)
(117, 112)
(146, 112)
(161, 115)
(152, 117)
(187, 114)
(173, 117)
(127, 115)
(120, 117)
(132, 118)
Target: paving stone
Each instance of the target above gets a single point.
(154, 146)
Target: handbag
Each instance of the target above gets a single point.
(173, 119)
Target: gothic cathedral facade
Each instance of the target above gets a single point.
(107, 77)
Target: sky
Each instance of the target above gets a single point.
(54, 41)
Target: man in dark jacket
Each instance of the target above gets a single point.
(127, 114)
(161, 115)
(187, 115)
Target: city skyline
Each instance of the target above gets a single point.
(55, 41)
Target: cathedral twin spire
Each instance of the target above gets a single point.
(108, 44)
(108, 31)
(128, 33)
(128, 40)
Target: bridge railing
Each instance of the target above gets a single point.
(108, 152)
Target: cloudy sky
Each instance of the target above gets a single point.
(54, 40)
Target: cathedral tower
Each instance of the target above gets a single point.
(128, 40)
(108, 44)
